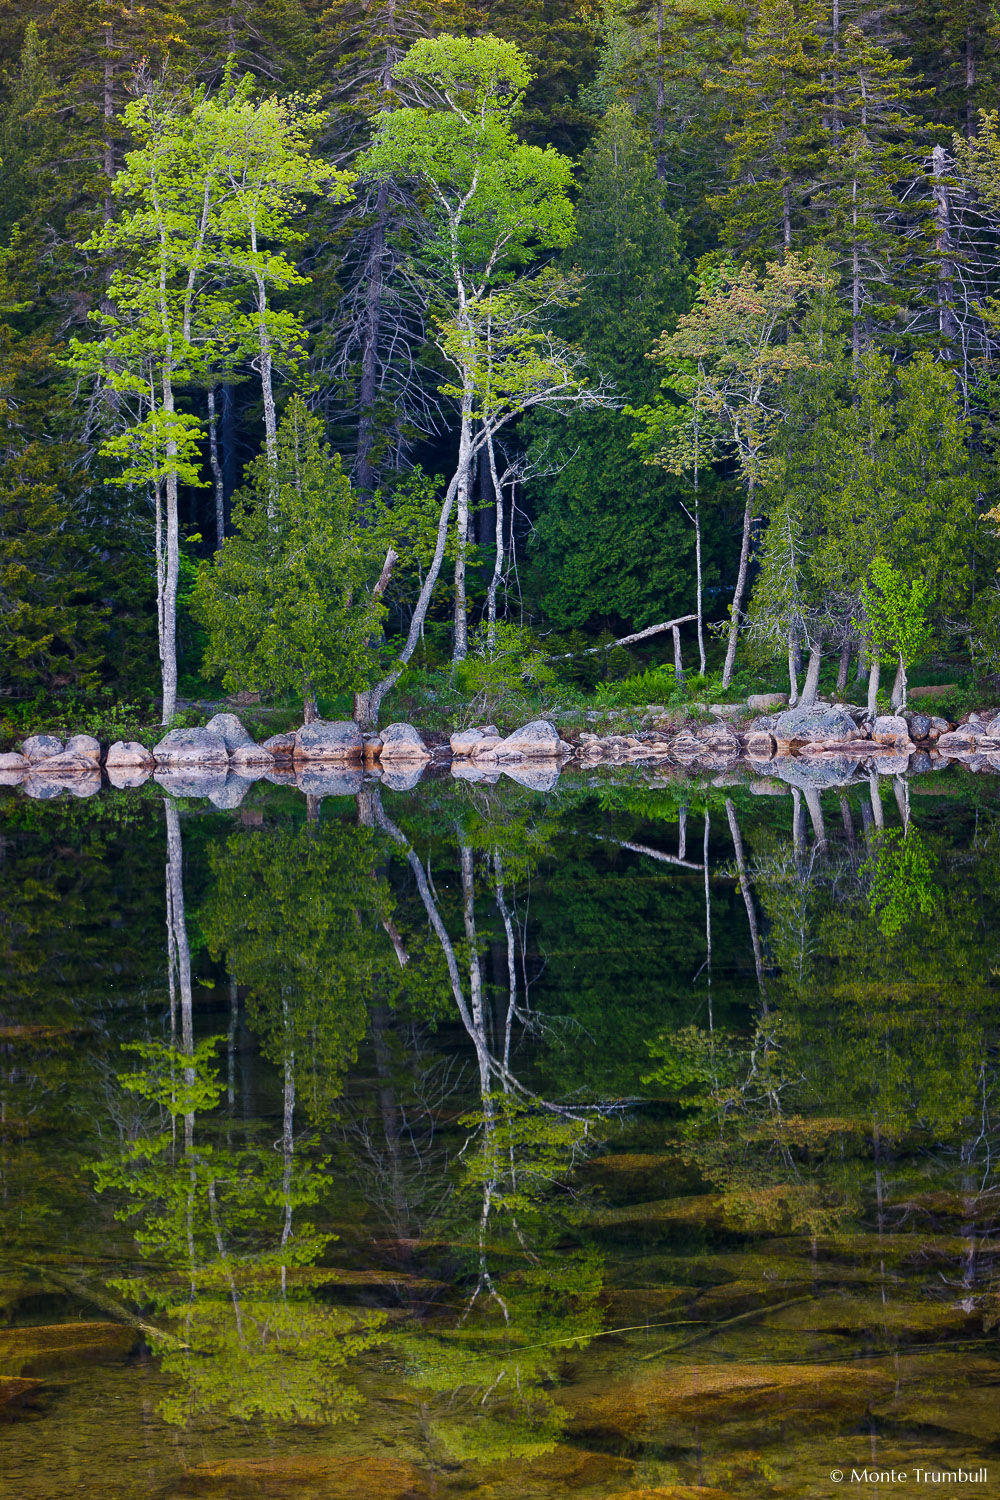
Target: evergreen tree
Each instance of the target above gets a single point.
(288, 603)
(629, 561)
(775, 93)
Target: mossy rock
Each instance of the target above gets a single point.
(34, 1350)
(972, 1413)
(334, 1476)
(862, 1314)
(676, 1492)
(16, 1392)
(692, 1393)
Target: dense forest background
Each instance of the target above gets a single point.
(775, 279)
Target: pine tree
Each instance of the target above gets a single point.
(872, 148)
(775, 95)
(628, 561)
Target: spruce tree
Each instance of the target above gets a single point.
(775, 94)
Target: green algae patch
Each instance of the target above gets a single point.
(334, 1476)
(970, 1413)
(34, 1350)
(676, 1492)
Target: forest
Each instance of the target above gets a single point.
(355, 347)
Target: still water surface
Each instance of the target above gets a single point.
(629, 1139)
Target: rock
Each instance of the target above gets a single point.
(826, 723)
(12, 778)
(231, 793)
(281, 746)
(962, 741)
(768, 786)
(726, 710)
(127, 755)
(67, 764)
(892, 729)
(229, 729)
(402, 775)
(42, 788)
(941, 725)
(537, 778)
(316, 783)
(402, 742)
(40, 746)
(191, 747)
(763, 703)
(818, 771)
(920, 726)
(890, 761)
(86, 746)
(759, 746)
(281, 775)
(941, 691)
(195, 781)
(12, 761)
(334, 1476)
(920, 763)
(763, 723)
(467, 742)
(470, 770)
(248, 756)
(127, 778)
(535, 741)
(372, 746)
(341, 741)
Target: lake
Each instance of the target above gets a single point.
(633, 1138)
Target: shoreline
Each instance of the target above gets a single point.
(822, 745)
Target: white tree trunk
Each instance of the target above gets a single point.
(811, 685)
(874, 672)
(741, 584)
(463, 474)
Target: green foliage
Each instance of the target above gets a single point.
(505, 662)
(896, 612)
(902, 881)
(287, 603)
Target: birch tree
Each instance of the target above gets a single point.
(493, 205)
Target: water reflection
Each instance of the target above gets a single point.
(624, 1139)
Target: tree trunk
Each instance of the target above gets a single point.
(793, 672)
(216, 467)
(741, 583)
(464, 473)
(310, 708)
(811, 684)
(699, 606)
(491, 592)
(844, 668)
(747, 892)
(815, 807)
(874, 672)
(364, 472)
(367, 704)
(168, 634)
(899, 687)
(947, 322)
(678, 662)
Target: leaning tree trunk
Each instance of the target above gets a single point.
(811, 685)
(740, 590)
(368, 704)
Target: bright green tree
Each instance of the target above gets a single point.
(290, 602)
(895, 619)
(494, 204)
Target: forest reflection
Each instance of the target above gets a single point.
(558, 1122)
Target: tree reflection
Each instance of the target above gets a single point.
(232, 1262)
